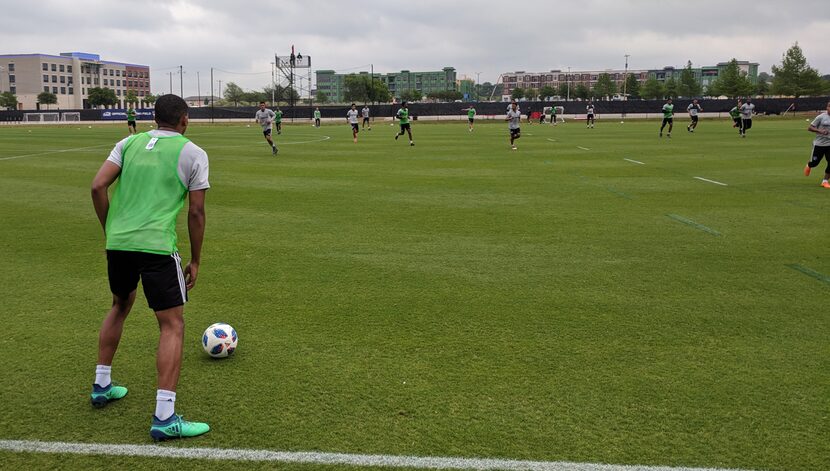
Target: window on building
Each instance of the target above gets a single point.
(118, 92)
(63, 79)
(69, 68)
(54, 67)
(46, 89)
(71, 91)
(63, 90)
(62, 68)
(11, 67)
(111, 72)
(96, 81)
(83, 91)
(55, 90)
(54, 79)
(118, 82)
(45, 67)
(117, 73)
(69, 80)
(13, 90)
(45, 78)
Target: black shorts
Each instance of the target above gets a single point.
(131, 123)
(747, 124)
(820, 152)
(737, 122)
(405, 127)
(355, 127)
(161, 276)
(278, 124)
(365, 120)
(266, 132)
(590, 116)
(515, 132)
(694, 119)
(668, 121)
(471, 120)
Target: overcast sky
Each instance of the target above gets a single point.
(487, 36)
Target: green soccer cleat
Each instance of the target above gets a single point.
(100, 397)
(176, 427)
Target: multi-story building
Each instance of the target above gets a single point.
(69, 76)
(536, 80)
(333, 84)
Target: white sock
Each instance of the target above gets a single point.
(103, 375)
(165, 404)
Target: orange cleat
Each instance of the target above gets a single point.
(807, 170)
(825, 184)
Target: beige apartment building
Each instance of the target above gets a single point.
(69, 76)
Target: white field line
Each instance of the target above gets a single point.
(56, 151)
(635, 161)
(583, 148)
(552, 140)
(711, 181)
(262, 144)
(313, 457)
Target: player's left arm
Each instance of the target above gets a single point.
(100, 185)
(196, 229)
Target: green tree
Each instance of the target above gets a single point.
(358, 88)
(131, 97)
(517, 94)
(580, 91)
(605, 87)
(8, 100)
(322, 98)
(546, 92)
(531, 94)
(149, 99)
(47, 98)
(652, 89)
(670, 88)
(98, 96)
(731, 82)
(689, 85)
(234, 93)
(632, 86)
(412, 95)
(795, 77)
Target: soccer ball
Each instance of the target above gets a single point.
(219, 340)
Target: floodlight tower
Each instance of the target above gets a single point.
(625, 85)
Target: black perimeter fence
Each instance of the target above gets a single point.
(769, 106)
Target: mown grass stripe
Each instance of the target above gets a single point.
(314, 457)
(691, 223)
(810, 272)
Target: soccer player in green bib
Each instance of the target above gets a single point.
(668, 117)
(735, 114)
(403, 118)
(278, 120)
(131, 120)
(155, 172)
(316, 117)
(471, 116)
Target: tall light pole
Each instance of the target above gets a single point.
(170, 74)
(625, 86)
(478, 81)
(569, 85)
(273, 82)
(181, 82)
(198, 89)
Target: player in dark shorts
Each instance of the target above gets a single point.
(529, 115)
(821, 145)
(351, 117)
(668, 117)
(735, 114)
(514, 120)
(403, 117)
(542, 116)
(589, 115)
(131, 120)
(694, 109)
(365, 113)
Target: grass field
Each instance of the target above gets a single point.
(450, 299)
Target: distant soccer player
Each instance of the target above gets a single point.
(542, 116)
(747, 110)
(131, 120)
(316, 117)
(351, 117)
(821, 145)
(403, 118)
(529, 115)
(514, 122)
(471, 116)
(278, 120)
(735, 114)
(694, 109)
(589, 117)
(265, 117)
(668, 117)
(365, 113)
(156, 171)
(553, 116)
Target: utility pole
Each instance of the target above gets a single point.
(211, 95)
(273, 83)
(181, 82)
(478, 81)
(625, 85)
(220, 89)
(569, 85)
(171, 81)
(198, 89)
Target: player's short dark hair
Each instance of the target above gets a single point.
(170, 109)
(261, 102)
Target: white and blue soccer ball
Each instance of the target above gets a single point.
(219, 340)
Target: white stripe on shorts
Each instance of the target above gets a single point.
(182, 285)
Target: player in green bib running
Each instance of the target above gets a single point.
(735, 114)
(131, 120)
(668, 117)
(156, 172)
(316, 117)
(403, 118)
(553, 112)
(471, 116)
(278, 120)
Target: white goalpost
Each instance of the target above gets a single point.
(41, 117)
(71, 116)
